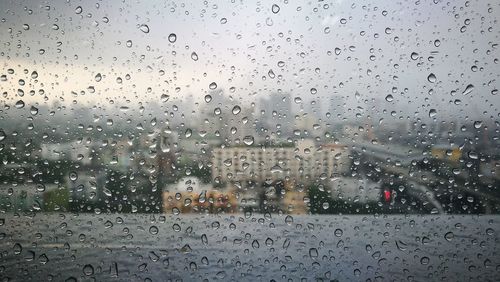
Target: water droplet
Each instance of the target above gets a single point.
(478, 124)
(20, 104)
(449, 236)
(437, 43)
(34, 110)
(490, 232)
(275, 8)
(172, 38)
(164, 98)
(73, 176)
(144, 28)
(248, 140)
(326, 205)
(468, 89)
(204, 239)
(129, 43)
(215, 225)
(338, 232)
(153, 230)
(431, 78)
(313, 253)
(389, 98)
(34, 75)
(208, 98)
(98, 77)
(432, 113)
(289, 219)
(188, 133)
(17, 248)
(88, 270)
(212, 86)
(236, 110)
(223, 21)
(78, 10)
(40, 187)
(194, 56)
(26, 27)
(414, 56)
(255, 244)
(313, 91)
(424, 260)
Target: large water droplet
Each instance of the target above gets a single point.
(208, 98)
(20, 104)
(275, 8)
(248, 140)
(236, 110)
(212, 86)
(468, 89)
(78, 10)
(144, 28)
(172, 38)
(88, 270)
(164, 98)
(153, 230)
(432, 113)
(478, 124)
(431, 78)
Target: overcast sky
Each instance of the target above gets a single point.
(336, 47)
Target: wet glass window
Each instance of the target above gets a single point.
(249, 140)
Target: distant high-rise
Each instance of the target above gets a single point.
(275, 113)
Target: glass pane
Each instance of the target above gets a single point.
(231, 140)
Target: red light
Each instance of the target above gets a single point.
(387, 195)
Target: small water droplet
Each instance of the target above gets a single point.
(73, 176)
(449, 236)
(208, 98)
(78, 10)
(153, 230)
(164, 98)
(194, 56)
(313, 253)
(424, 260)
(34, 110)
(212, 86)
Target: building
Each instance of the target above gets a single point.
(303, 162)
